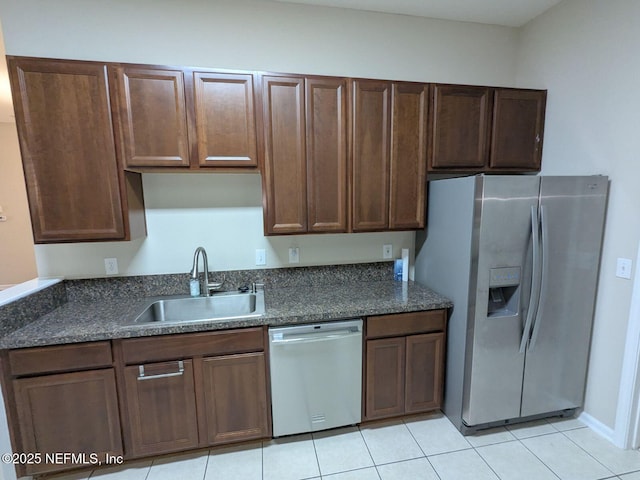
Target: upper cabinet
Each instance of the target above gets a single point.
(225, 120)
(408, 168)
(459, 127)
(76, 189)
(305, 154)
(327, 154)
(482, 129)
(152, 116)
(371, 131)
(389, 155)
(175, 117)
(318, 180)
(285, 170)
(518, 128)
(336, 155)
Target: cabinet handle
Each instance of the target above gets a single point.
(142, 376)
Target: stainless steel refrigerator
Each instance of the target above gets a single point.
(519, 258)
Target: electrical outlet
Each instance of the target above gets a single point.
(111, 266)
(623, 268)
(387, 252)
(261, 256)
(294, 255)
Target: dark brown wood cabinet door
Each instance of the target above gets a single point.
(370, 171)
(425, 372)
(161, 408)
(408, 156)
(518, 126)
(460, 118)
(326, 120)
(235, 391)
(70, 412)
(152, 116)
(285, 173)
(66, 138)
(225, 119)
(385, 377)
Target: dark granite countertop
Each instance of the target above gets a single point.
(110, 318)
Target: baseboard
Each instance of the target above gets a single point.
(598, 427)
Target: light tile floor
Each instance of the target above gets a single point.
(417, 448)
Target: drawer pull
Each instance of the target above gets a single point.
(142, 376)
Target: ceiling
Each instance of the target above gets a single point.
(510, 13)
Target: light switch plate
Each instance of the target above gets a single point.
(623, 268)
(294, 255)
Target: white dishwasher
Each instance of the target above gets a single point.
(316, 376)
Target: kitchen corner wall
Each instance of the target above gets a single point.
(17, 260)
(585, 53)
(223, 212)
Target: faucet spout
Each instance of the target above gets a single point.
(205, 265)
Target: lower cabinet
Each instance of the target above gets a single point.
(211, 390)
(161, 405)
(69, 412)
(404, 368)
(154, 395)
(235, 397)
(61, 400)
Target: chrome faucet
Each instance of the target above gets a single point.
(205, 265)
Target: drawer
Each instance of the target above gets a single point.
(406, 323)
(172, 347)
(60, 358)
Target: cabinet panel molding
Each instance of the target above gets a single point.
(161, 408)
(518, 129)
(327, 154)
(370, 175)
(75, 187)
(409, 112)
(235, 394)
(152, 115)
(285, 171)
(225, 119)
(425, 372)
(460, 127)
(68, 412)
(385, 377)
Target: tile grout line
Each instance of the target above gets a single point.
(206, 465)
(605, 467)
(539, 459)
(315, 451)
(366, 445)
(420, 447)
(485, 462)
(146, 477)
(262, 459)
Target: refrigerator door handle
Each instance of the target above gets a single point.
(535, 281)
(543, 281)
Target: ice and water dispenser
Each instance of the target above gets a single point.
(504, 292)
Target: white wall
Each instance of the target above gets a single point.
(17, 260)
(585, 52)
(223, 212)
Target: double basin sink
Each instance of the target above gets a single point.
(219, 307)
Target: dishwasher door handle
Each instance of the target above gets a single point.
(314, 337)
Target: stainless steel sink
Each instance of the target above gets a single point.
(219, 307)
